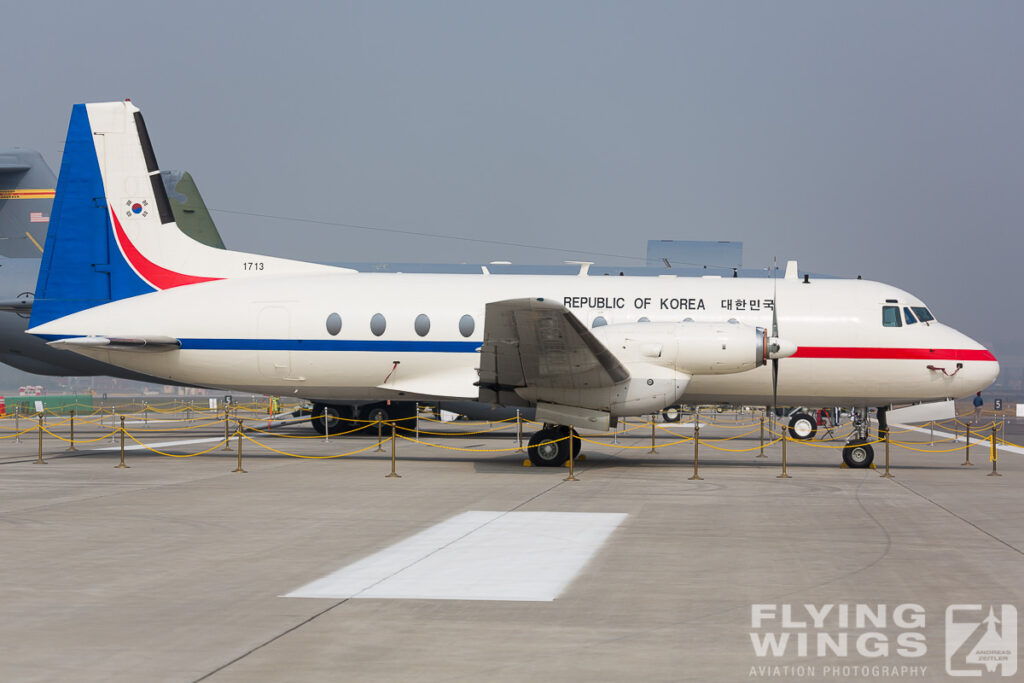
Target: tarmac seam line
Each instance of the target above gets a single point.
(282, 634)
(965, 521)
(341, 602)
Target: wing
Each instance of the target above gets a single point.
(539, 344)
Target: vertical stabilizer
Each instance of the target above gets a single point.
(112, 232)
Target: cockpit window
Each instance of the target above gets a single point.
(891, 316)
(923, 314)
(909, 316)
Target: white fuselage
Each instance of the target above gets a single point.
(270, 335)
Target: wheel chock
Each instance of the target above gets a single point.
(527, 463)
(581, 458)
(872, 466)
(843, 466)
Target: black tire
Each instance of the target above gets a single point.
(802, 427)
(671, 414)
(378, 413)
(577, 445)
(546, 450)
(335, 421)
(858, 455)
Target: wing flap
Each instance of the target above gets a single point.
(540, 344)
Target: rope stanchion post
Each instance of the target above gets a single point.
(887, 475)
(327, 427)
(416, 420)
(239, 467)
(145, 412)
(227, 428)
(785, 438)
(992, 457)
(17, 427)
(761, 454)
(394, 474)
(71, 437)
(121, 430)
(519, 429)
(696, 446)
(39, 460)
(967, 449)
(652, 436)
(380, 434)
(572, 456)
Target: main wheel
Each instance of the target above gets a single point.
(549, 447)
(671, 414)
(857, 454)
(378, 414)
(334, 422)
(802, 426)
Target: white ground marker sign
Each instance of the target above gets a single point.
(530, 556)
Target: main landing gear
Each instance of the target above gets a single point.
(549, 447)
(344, 418)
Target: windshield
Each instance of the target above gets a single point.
(923, 314)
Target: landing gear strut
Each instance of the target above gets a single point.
(550, 448)
(858, 453)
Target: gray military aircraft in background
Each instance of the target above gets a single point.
(27, 187)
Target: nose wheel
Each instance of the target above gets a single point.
(858, 454)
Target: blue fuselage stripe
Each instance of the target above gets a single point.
(387, 346)
(330, 345)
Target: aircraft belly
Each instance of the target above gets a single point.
(815, 381)
(316, 374)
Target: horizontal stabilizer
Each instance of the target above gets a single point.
(16, 305)
(155, 343)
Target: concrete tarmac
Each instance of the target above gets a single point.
(171, 569)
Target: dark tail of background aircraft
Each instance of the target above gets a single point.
(26, 194)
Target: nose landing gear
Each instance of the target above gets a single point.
(858, 453)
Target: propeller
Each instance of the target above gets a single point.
(777, 347)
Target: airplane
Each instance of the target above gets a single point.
(26, 197)
(581, 351)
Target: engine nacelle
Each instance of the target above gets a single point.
(693, 348)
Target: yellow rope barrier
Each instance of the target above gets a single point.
(220, 443)
(312, 457)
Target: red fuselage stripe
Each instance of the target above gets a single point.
(882, 353)
(159, 277)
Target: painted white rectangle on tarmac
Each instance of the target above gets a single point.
(530, 556)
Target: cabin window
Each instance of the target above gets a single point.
(422, 324)
(909, 316)
(643, 319)
(599, 321)
(333, 324)
(378, 324)
(923, 314)
(891, 316)
(467, 325)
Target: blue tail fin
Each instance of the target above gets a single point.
(82, 265)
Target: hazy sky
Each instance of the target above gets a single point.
(874, 138)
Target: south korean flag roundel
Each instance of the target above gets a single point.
(133, 208)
